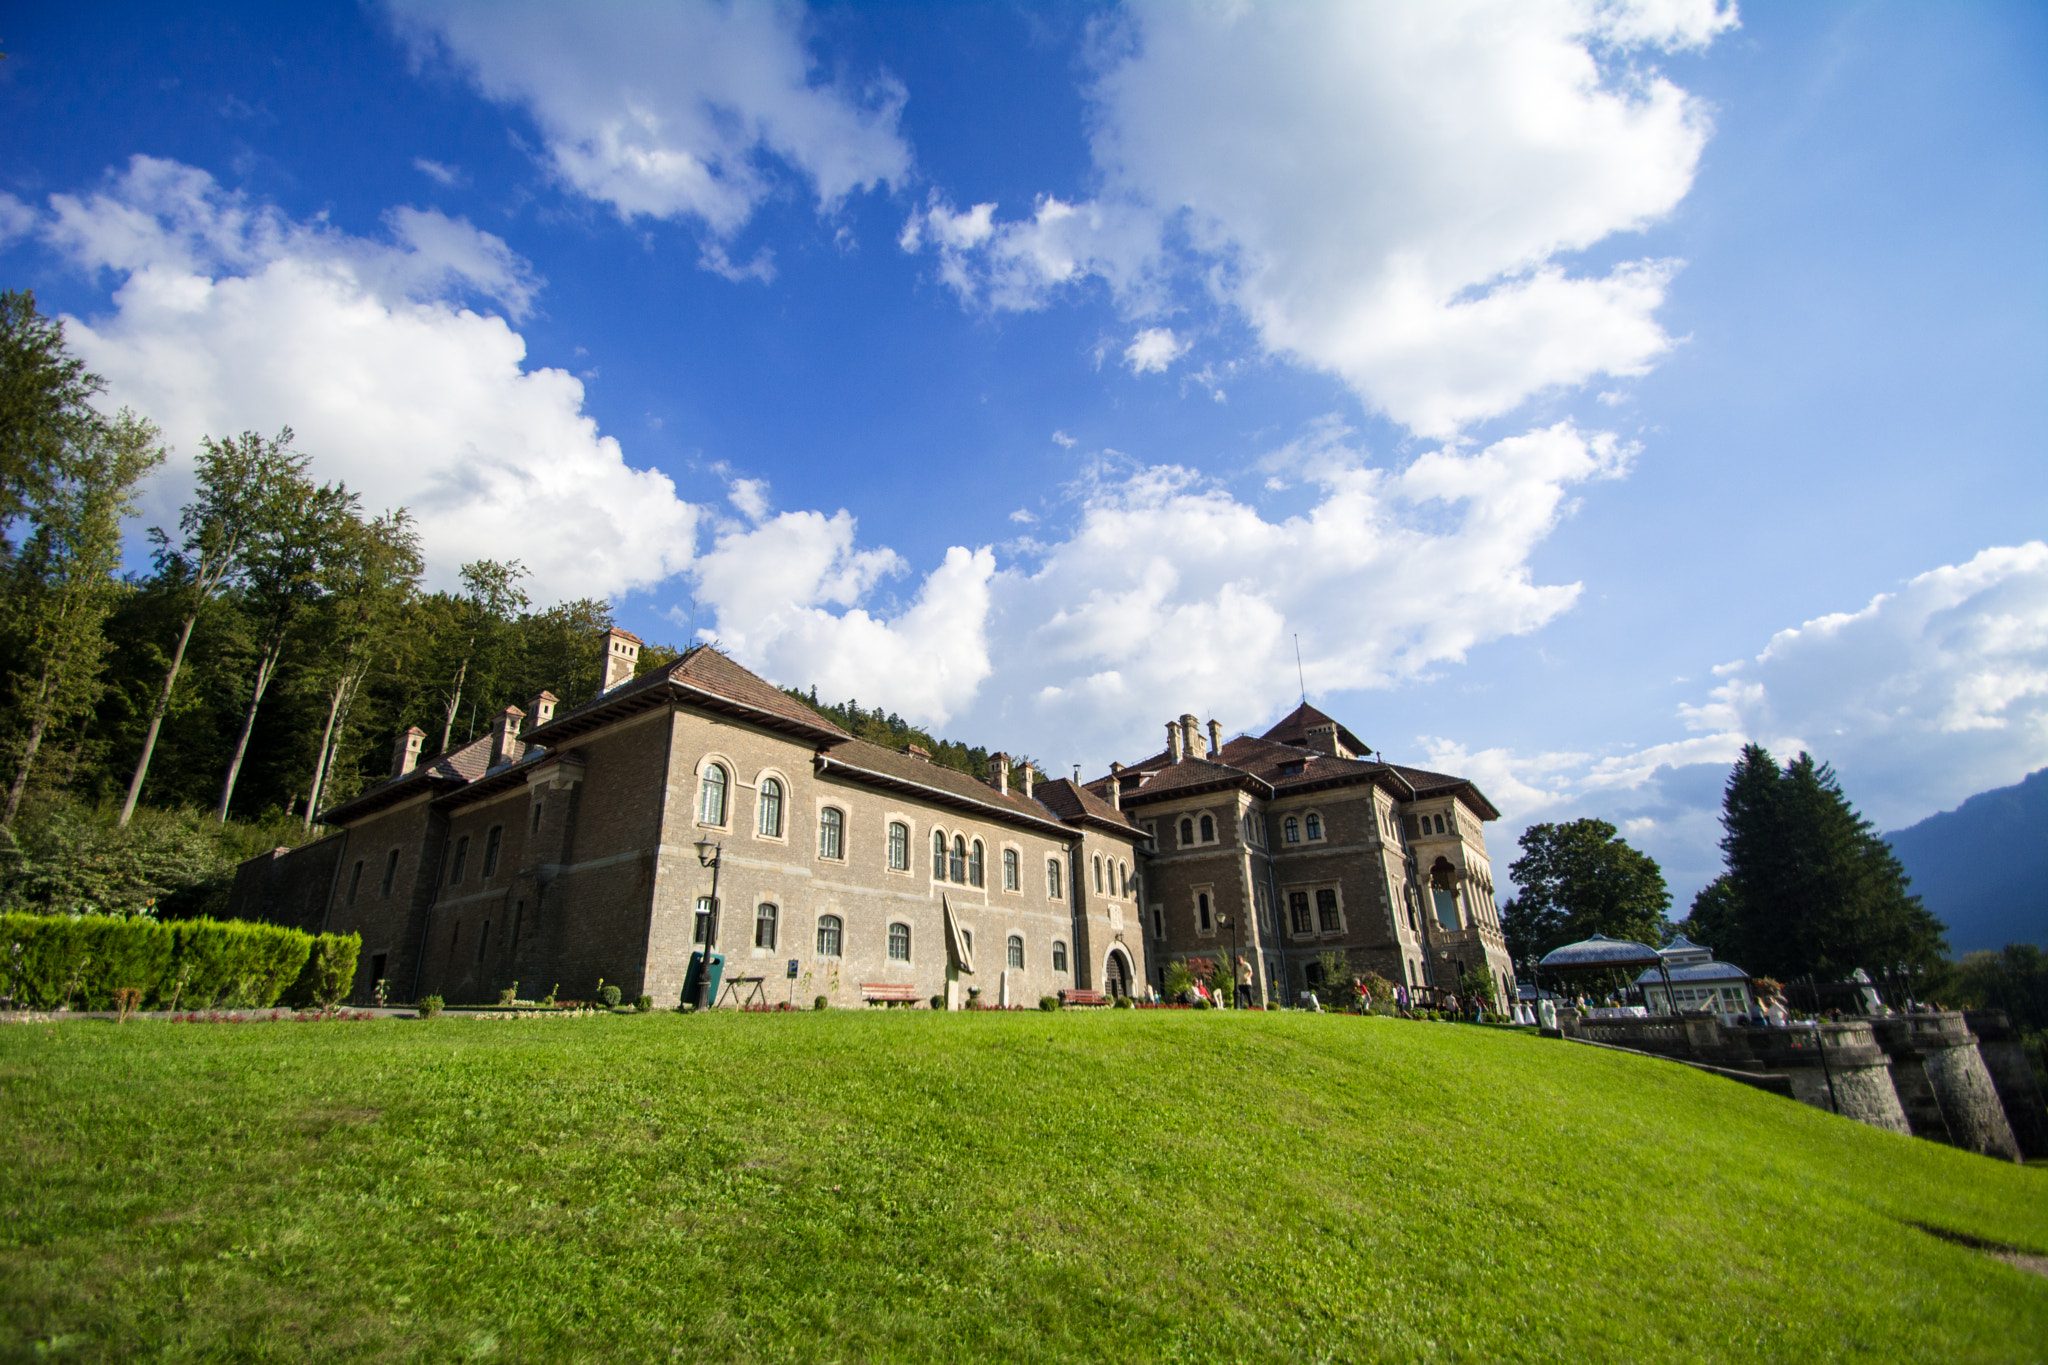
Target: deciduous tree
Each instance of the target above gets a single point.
(1577, 879)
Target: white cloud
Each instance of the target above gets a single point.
(671, 110)
(17, 220)
(228, 316)
(1153, 349)
(1061, 439)
(1387, 193)
(447, 176)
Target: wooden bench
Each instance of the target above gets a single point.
(1083, 998)
(888, 993)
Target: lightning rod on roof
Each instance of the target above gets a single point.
(1300, 677)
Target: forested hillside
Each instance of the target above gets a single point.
(1982, 868)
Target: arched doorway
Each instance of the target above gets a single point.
(1116, 974)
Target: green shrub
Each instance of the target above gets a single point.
(820, 1003)
(49, 960)
(1048, 1003)
(428, 1006)
(329, 972)
(610, 995)
(1123, 1002)
(1178, 980)
(644, 1004)
(52, 960)
(1201, 1004)
(239, 964)
(937, 1002)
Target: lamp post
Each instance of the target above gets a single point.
(709, 855)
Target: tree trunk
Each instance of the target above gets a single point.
(337, 723)
(263, 672)
(156, 720)
(36, 727)
(454, 706)
(326, 738)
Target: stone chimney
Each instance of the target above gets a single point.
(405, 751)
(505, 746)
(1030, 777)
(999, 772)
(541, 709)
(621, 657)
(1173, 741)
(919, 752)
(1323, 738)
(1116, 785)
(1215, 737)
(1191, 735)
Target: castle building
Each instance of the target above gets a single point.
(566, 848)
(561, 854)
(1301, 843)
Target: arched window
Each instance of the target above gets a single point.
(975, 874)
(1290, 830)
(1440, 825)
(770, 806)
(828, 935)
(899, 846)
(1314, 823)
(1124, 876)
(1052, 878)
(711, 806)
(1059, 956)
(899, 943)
(938, 855)
(1187, 831)
(959, 858)
(831, 832)
(1202, 916)
(461, 857)
(764, 926)
(1011, 872)
(491, 844)
(1098, 874)
(1015, 955)
(1208, 829)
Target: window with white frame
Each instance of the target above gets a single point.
(1312, 823)
(1298, 918)
(1012, 873)
(958, 866)
(1327, 918)
(1290, 830)
(1098, 874)
(938, 855)
(1052, 878)
(1187, 832)
(899, 846)
(702, 930)
(899, 942)
(975, 873)
(828, 935)
(711, 797)
(1059, 956)
(1208, 829)
(1205, 917)
(764, 926)
(1014, 951)
(832, 833)
(769, 805)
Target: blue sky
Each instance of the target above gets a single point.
(1591, 387)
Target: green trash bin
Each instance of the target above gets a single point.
(696, 966)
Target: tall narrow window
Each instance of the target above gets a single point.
(538, 805)
(1203, 918)
(1208, 829)
(764, 926)
(1052, 878)
(959, 858)
(828, 936)
(1014, 953)
(461, 858)
(1439, 824)
(1314, 825)
(711, 809)
(831, 832)
(491, 843)
(390, 873)
(483, 941)
(1297, 912)
(976, 876)
(1187, 831)
(938, 855)
(1158, 922)
(1098, 874)
(1123, 875)
(518, 914)
(1010, 869)
(1059, 956)
(899, 943)
(1290, 830)
(355, 879)
(770, 806)
(1326, 911)
(899, 846)
(705, 930)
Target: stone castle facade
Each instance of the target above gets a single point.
(562, 849)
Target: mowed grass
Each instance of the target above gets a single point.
(910, 1186)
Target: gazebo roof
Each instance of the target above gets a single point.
(1600, 951)
(1695, 971)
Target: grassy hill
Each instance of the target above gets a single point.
(895, 1186)
(1982, 868)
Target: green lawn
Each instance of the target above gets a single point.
(911, 1186)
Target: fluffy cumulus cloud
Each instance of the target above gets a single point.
(1387, 193)
(228, 316)
(680, 111)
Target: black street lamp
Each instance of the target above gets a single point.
(709, 855)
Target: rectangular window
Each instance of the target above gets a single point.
(1202, 915)
(390, 873)
(764, 926)
(831, 832)
(377, 961)
(1010, 873)
(703, 931)
(1297, 912)
(355, 879)
(483, 940)
(536, 816)
(1158, 922)
(518, 914)
(461, 857)
(1059, 956)
(497, 836)
(1326, 910)
(899, 846)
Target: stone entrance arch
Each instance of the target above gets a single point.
(1116, 974)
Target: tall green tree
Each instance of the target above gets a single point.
(45, 406)
(64, 581)
(1811, 888)
(488, 607)
(1577, 879)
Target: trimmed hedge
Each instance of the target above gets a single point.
(192, 964)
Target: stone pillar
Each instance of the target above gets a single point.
(2005, 1057)
(1863, 1083)
(1935, 1057)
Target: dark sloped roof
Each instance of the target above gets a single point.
(873, 764)
(1191, 775)
(1427, 783)
(1074, 803)
(703, 678)
(1293, 728)
(463, 764)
